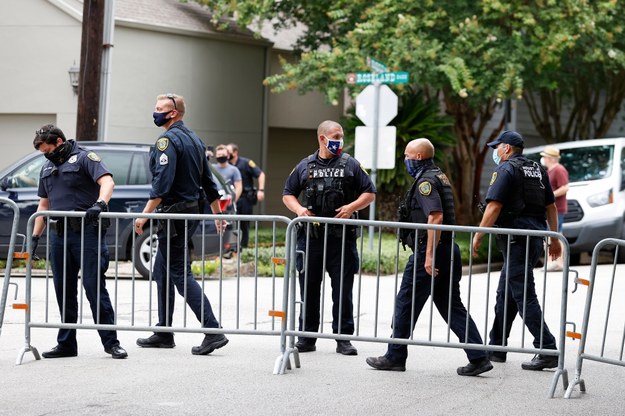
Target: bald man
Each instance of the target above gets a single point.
(430, 201)
(334, 185)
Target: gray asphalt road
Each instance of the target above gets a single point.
(238, 379)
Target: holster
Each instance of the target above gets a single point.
(58, 224)
(251, 195)
(182, 206)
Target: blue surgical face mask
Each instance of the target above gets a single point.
(496, 157)
(415, 166)
(160, 118)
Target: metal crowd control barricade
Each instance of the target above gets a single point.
(239, 295)
(10, 254)
(374, 296)
(607, 324)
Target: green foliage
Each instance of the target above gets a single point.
(265, 265)
(265, 237)
(264, 253)
(211, 267)
(470, 54)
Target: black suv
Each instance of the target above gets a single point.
(129, 164)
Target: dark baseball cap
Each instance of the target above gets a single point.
(509, 137)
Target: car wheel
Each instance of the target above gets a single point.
(145, 249)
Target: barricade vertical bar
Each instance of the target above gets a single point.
(167, 281)
(324, 263)
(28, 296)
(359, 291)
(341, 282)
(98, 269)
(47, 312)
(7, 270)
(451, 277)
(185, 271)
(469, 287)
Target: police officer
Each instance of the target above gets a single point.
(519, 196)
(251, 194)
(333, 184)
(181, 180)
(75, 179)
(430, 201)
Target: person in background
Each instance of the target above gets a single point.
(559, 179)
(75, 179)
(251, 195)
(229, 172)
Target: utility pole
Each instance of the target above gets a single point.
(87, 119)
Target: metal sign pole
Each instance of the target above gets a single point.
(374, 158)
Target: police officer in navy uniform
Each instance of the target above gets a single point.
(181, 181)
(519, 196)
(430, 201)
(333, 184)
(75, 179)
(251, 194)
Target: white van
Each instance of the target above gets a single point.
(596, 196)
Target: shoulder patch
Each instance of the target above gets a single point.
(251, 164)
(163, 160)
(93, 156)
(425, 188)
(493, 178)
(363, 169)
(162, 143)
(444, 179)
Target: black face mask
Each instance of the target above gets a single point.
(222, 159)
(59, 155)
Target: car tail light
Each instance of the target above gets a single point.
(224, 202)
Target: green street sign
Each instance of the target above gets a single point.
(381, 78)
(376, 65)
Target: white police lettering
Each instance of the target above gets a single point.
(532, 172)
(328, 173)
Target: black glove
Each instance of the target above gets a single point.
(35, 244)
(92, 214)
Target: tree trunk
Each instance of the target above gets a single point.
(469, 154)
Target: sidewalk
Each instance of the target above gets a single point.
(238, 379)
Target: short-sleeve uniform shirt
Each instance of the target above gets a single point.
(72, 186)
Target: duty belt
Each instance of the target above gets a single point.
(180, 206)
(58, 224)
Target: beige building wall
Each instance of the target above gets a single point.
(293, 121)
(39, 44)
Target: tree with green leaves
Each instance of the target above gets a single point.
(471, 55)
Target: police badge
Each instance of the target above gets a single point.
(425, 188)
(162, 143)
